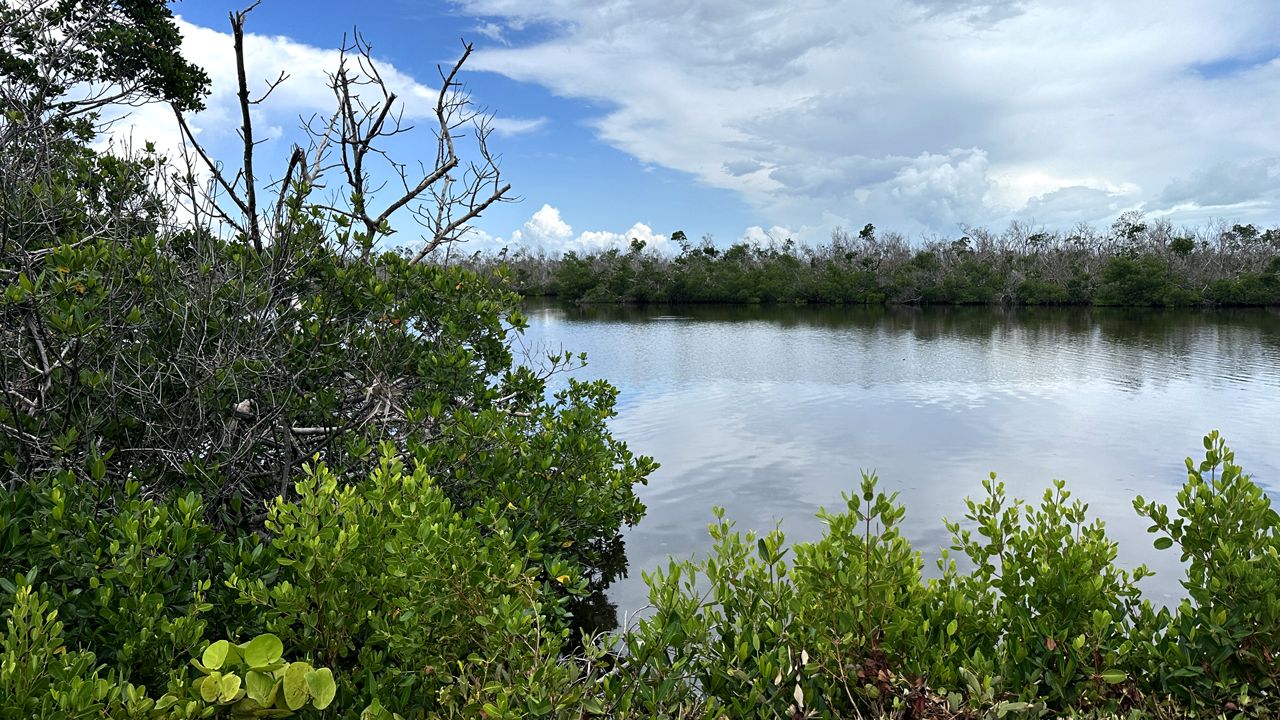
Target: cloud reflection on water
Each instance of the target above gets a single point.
(771, 413)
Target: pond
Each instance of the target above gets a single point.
(771, 413)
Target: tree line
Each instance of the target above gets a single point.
(1134, 263)
(254, 464)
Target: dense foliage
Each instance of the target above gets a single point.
(1042, 622)
(287, 473)
(420, 609)
(1134, 263)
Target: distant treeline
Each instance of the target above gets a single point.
(1134, 263)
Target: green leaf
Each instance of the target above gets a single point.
(320, 684)
(215, 654)
(295, 685)
(261, 687)
(263, 651)
(229, 688)
(209, 686)
(1113, 676)
(1163, 543)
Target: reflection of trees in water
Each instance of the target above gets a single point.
(595, 613)
(1127, 348)
(1238, 331)
(1212, 346)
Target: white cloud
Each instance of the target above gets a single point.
(923, 114)
(546, 231)
(303, 95)
(507, 127)
(603, 240)
(493, 31)
(545, 228)
(775, 235)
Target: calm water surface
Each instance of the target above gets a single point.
(771, 412)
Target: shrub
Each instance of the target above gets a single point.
(1218, 648)
(1143, 281)
(413, 603)
(136, 581)
(1042, 623)
(1049, 610)
(41, 678)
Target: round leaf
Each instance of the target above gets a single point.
(320, 683)
(215, 655)
(209, 686)
(261, 687)
(1163, 543)
(229, 688)
(263, 651)
(296, 692)
(1113, 676)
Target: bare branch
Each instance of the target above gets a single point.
(246, 128)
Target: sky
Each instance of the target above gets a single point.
(744, 119)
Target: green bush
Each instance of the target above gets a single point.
(1219, 646)
(1041, 622)
(1050, 611)
(413, 603)
(41, 678)
(136, 581)
(1142, 281)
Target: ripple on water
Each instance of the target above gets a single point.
(772, 413)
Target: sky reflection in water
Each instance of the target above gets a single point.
(771, 412)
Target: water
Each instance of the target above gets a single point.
(771, 412)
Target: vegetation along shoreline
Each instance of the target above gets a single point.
(1134, 263)
(254, 463)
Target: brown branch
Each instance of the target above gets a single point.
(417, 190)
(296, 159)
(217, 173)
(246, 128)
(446, 234)
(46, 370)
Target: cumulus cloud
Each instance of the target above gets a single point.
(545, 228)
(546, 231)
(304, 94)
(925, 112)
(775, 235)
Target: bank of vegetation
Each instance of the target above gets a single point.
(1134, 263)
(254, 466)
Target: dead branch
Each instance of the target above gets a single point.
(246, 128)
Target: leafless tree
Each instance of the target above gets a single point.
(219, 401)
(443, 198)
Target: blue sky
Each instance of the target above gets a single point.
(751, 119)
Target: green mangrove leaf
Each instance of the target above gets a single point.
(209, 686)
(1113, 677)
(229, 689)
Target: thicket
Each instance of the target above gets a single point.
(1133, 263)
(255, 466)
